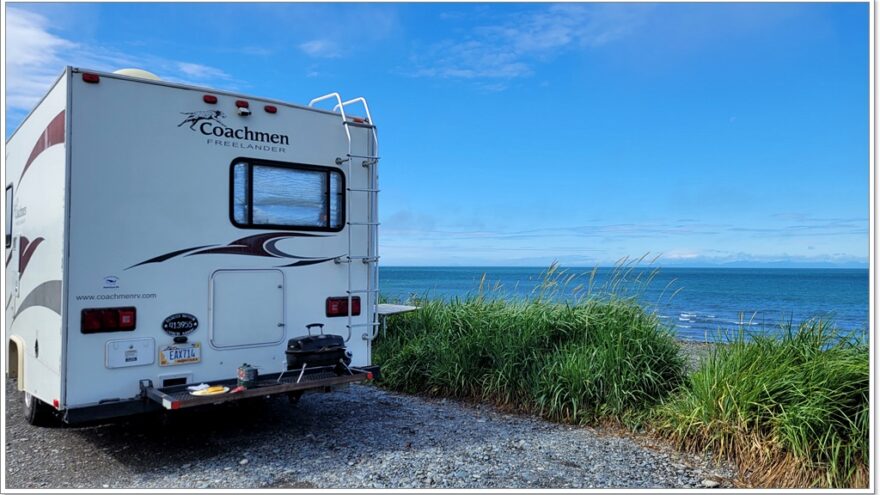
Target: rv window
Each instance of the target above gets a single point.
(9, 215)
(267, 194)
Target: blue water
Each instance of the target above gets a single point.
(696, 302)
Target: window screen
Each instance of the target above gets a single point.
(285, 195)
(8, 216)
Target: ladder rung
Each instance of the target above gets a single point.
(361, 190)
(363, 223)
(349, 259)
(361, 291)
(363, 325)
(366, 157)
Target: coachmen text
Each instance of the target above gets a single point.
(244, 134)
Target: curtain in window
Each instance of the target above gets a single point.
(285, 196)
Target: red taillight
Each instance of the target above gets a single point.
(56, 403)
(91, 78)
(270, 109)
(338, 306)
(91, 320)
(209, 99)
(241, 104)
(108, 320)
(127, 318)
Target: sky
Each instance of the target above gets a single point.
(519, 134)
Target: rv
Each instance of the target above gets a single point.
(170, 246)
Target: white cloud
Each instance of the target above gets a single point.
(411, 237)
(511, 47)
(35, 57)
(200, 71)
(320, 49)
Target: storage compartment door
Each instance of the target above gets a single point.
(247, 308)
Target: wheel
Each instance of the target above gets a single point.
(37, 412)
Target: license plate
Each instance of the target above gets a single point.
(170, 355)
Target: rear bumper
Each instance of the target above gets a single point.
(110, 410)
(177, 397)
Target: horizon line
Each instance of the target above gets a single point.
(865, 267)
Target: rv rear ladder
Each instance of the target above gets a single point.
(371, 258)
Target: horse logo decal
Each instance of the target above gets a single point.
(193, 118)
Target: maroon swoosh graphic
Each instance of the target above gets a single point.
(255, 245)
(251, 246)
(27, 251)
(168, 256)
(52, 135)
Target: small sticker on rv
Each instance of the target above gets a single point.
(180, 324)
(111, 282)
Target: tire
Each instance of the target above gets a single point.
(37, 412)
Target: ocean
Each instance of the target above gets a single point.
(697, 302)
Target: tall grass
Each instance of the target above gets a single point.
(576, 362)
(792, 411)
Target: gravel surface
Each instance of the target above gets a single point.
(358, 437)
(695, 352)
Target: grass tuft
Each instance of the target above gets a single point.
(790, 410)
(580, 362)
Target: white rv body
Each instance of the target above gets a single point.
(127, 193)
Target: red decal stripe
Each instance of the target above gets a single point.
(54, 134)
(26, 251)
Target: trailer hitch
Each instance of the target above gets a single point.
(145, 385)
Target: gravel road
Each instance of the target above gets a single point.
(359, 437)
